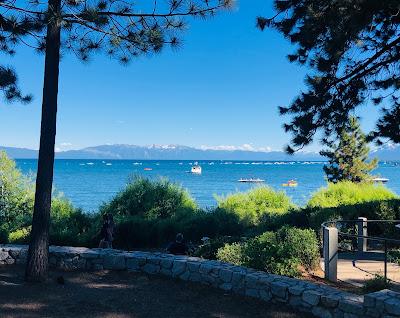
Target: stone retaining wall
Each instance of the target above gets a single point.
(321, 301)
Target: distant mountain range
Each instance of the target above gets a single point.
(176, 152)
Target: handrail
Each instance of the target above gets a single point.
(374, 238)
(385, 240)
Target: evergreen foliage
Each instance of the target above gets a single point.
(256, 206)
(147, 199)
(348, 158)
(285, 252)
(353, 51)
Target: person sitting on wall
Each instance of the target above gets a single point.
(107, 231)
(178, 247)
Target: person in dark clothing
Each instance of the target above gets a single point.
(178, 247)
(107, 231)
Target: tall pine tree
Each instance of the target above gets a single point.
(352, 52)
(348, 157)
(122, 29)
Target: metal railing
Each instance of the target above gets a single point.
(331, 235)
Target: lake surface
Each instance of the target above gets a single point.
(89, 183)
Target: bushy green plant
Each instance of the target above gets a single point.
(71, 226)
(231, 253)
(209, 250)
(347, 200)
(349, 193)
(150, 199)
(257, 205)
(20, 235)
(376, 284)
(16, 196)
(284, 252)
(3, 235)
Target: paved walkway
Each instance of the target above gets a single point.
(356, 273)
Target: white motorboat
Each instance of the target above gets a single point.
(196, 169)
(251, 180)
(380, 180)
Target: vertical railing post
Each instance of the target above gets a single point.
(362, 229)
(330, 252)
(385, 260)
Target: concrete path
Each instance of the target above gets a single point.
(357, 272)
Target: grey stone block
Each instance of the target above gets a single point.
(226, 286)
(252, 292)
(251, 281)
(265, 294)
(151, 268)
(178, 267)
(321, 312)
(296, 290)
(3, 255)
(114, 262)
(311, 297)
(279, 289)
(166, 263)
(193, 267)
(392, 306)
(225, 275)
(330, 301)
(350, 307)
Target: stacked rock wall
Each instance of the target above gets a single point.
(321, 301)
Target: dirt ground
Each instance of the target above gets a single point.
(122, 294)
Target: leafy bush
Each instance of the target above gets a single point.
(71, 226)
(257, 205)
(20, 236)
(376, 284)
(283, 252)
(231, 253)
(3, 235)
(209, 250)
(150, 200)
(135, 231)
(349, 193)
(16, 196)
(346, 200)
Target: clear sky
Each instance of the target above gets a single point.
(221, 88)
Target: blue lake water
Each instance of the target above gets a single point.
(89, 183)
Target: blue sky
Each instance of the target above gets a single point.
(220, 89)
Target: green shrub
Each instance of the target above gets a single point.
(68, 226)
(257, 205)
(210, 249)
(285, 252)
(3, 235)
(231, 253)
(16, 196)
(20, 236)
(71, 226)
(347, 200)
(150, 200)
(135, 231)
(376, 284)
(300, 244)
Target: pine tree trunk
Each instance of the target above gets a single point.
(37, 263)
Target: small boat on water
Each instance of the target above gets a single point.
(290, 183)
(251, 180)
(380, 180)
(148, 169)
(196, 169)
